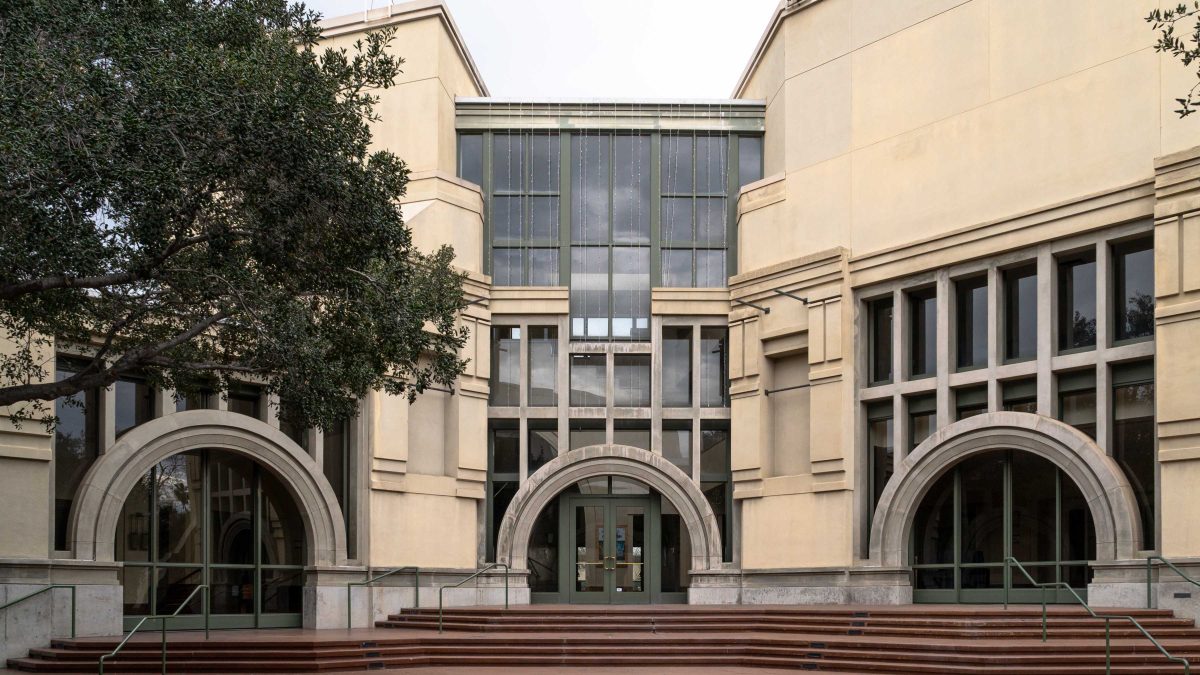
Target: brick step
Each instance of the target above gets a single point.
(947, 611)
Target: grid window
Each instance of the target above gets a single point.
(588, 380)
(922, 419)
(506, 366)
(1020, 313)
(714, 367)
(1133, 290)
(879, 318)
(523, 212)
(922, 306)
(677, 366)
(881, 449)
(1077, 302)
(971, 322)
(694, 209)
(543, 365)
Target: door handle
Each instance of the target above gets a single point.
(613, 558)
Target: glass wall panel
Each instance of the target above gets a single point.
(633, 434)
(677, 268)
(1077, 400)
(282, 529)
(507, 267)
(1020, 395)
(133, 530)
(969, 402)
(1133, 290)
(134, 400)
(971, 320)
(922, 419)
(508, 162)
(1020, 313)
(922, 332)
(231, 509)
(982, 538)
(282, 591)
(1134, 442)
(543, 443)
(714, 367)
(677, 366)
(933, 528)
(881, 445)
(879, 318)
(76, 445)
(502, 493)
(631, 380)
(589, 292)
(588, 378)
(676, 164)
(712, 165)
(543, 365)
(631, 189)
(1034, 508)
(718, 495)
(543, 267)
(506, 451)
(631, 293)
(714, 451)
(677, 444)
(590, 188)
(180, 514)
(470, 158)
(336, 463)
(506, 366)
(587, 432)
(543, 551)
(1077, 302)
(750, 159)
(710, 269)
(246, 400)
(544, 165)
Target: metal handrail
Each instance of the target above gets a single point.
(492, 566)
(43, 590)
(1149, 574)
(1187, 666)
(416, 588)
(163, 621)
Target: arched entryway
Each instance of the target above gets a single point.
(609, 523)
(210, 496)
(1025, 485)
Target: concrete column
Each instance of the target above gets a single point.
(1045, 331)
(945, 338)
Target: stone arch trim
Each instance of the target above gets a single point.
(1103, 484)
(101, 496)
(512, 543)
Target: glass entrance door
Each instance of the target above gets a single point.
(608, 546)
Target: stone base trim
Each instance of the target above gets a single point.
(814, 586)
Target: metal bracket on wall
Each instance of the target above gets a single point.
(793, 296)
(768, 392)
(476, 301)
(764, 310)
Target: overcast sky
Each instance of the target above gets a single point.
(603, 48)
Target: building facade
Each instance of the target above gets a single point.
(918, 298)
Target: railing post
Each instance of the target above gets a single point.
(506, 587)
(207, 610)
(350, 603)
(1044, 619)
(1107, 648)
(417, 588)
(1149, 576)
(72, 612)
(1007, 582)
(163, 625)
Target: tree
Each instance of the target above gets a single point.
(187, 190)
(1186, 49)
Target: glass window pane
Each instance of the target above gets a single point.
(717, 495)
(543, 267)
(1020, 313)
(582, 436)
(750, 159)
(543, 444)
(76, 446)
(714, 453)
(506, 451)
(1076, 303)
(1133, 447)
(508, 163)
(631, 380)
(714, 367)
(133, 530)
(1033, 508)
(231, 509)
(246, 400)
(677, 447)
(1078, 529)
(631, 189)
(969, 402)
(134, 400)
(933, 526)
(589, 292)
(282, 527)
(883, 453)
(588, 380)
(920, 427)
(543, 551)
(502, 495)
(544, 169)
(710, 269)
(677, 268)
(638, 438)
(631, 293)
(290, 428)
(506, 267)
(677, 366)
(334, 460)
(712, 165)
(1134, 289)
(711, 217)
(923, 332)
(135, 583)
(470, 158)
(507, 214)
(543, 366)
(982, 538)
(180, 496)
(175, 584)
(543, 218)
(972, 320)
(1078, 409)
(1020, 396)
(282, 591)
(506, 366)
(677, 219)
(590, 194)
(879, 315)
(676, 164)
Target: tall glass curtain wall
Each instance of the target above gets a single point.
(610, 214)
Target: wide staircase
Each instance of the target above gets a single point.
(830, 639)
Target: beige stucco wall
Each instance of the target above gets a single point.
(891, 120)
(25, 488)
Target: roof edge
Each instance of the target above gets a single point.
(785, 9)
(402, 13)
